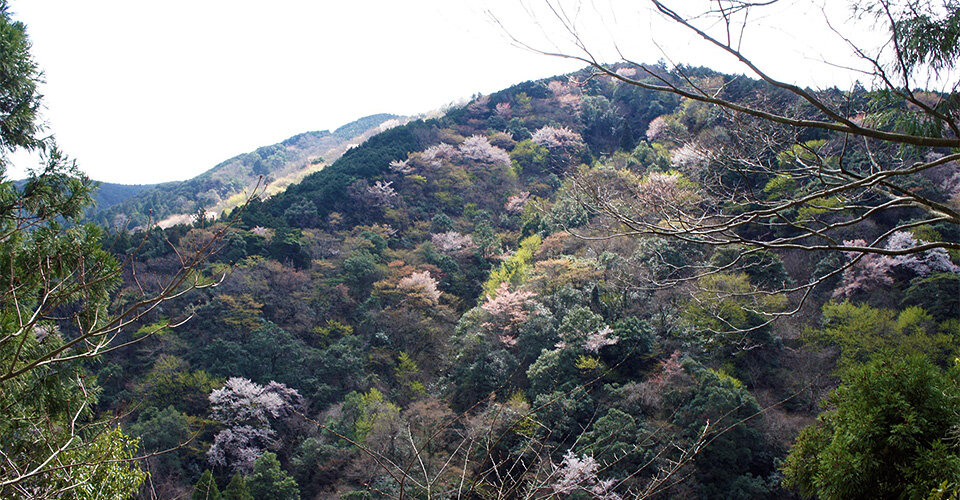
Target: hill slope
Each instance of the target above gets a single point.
(223, 186)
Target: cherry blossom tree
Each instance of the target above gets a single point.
(452, 242)
(423, 284)
(249, 410)
(507, 310)
(554, 138)
(516, 202)
(478, 148)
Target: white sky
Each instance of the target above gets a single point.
(143, 92)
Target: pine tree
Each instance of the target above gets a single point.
(206, 488)
(237, 489)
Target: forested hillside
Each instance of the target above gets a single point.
(625, 282)
(229, 184)
(443, 312)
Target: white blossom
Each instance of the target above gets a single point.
(401, 167)
(434, 155)
(478, 148)
(598, 339)
(554, 137)
(238, 447)
(423, 283)
(452, 241)
(579, 473)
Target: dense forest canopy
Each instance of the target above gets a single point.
(588, 286)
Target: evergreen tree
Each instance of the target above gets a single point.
(237, 489)
(886, 434)
(50, 445)
(206, 488)
(269, 482)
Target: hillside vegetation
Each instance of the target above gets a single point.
(230, 183)
(441, 312)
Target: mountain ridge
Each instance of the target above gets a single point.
(224, 186)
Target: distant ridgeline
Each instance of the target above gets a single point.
(450, 278)
(224, 186)
(616, 118)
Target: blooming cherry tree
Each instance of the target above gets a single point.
(248, 409)
(507, 310)
(422, 283)
(452, 242)
(478, 148)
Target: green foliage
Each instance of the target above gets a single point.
(726, 318)
(237, 489)
(206, 488)
(514, 269)
(884, 434)
(19, 77)
(269, 482)
(54, 269)
(554, 370)
(530, 157)
(863, 332)
(367, 410)
(738, 456)
(101, 468)
(160, 431)
(361, 269)
(652, 156)
(762, 267)
(938, 293)
(577, 324)
(617, 440)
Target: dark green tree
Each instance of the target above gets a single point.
(269, 482)
(886, 433)
(206, 488)
(237, 489)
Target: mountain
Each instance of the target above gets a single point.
(270, 169)
(452, 291)
(109, 194)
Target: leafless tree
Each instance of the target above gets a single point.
(870, 158)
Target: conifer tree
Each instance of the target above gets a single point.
(206, 488)
(237, 489)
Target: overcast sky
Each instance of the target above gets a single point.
(143, 92)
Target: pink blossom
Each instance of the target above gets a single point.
(478, 148)
(511, 305)
(516, 202)
(566, 94)
(656, 128)
(508, 309)
(871, 271)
